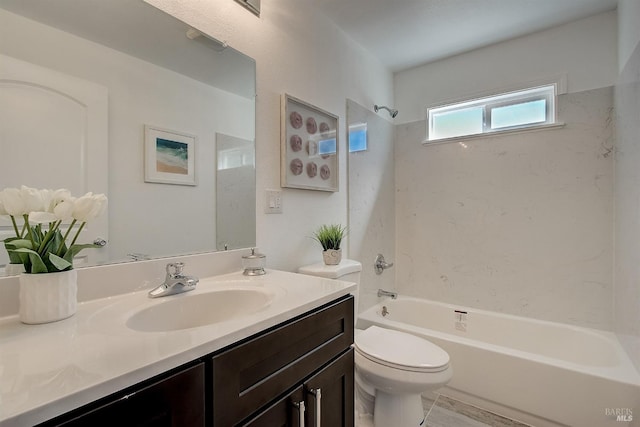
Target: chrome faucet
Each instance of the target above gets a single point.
(175, 282)
(383, 293)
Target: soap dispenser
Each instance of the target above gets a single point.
(254, 264)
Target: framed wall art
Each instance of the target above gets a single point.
(309, 146)
(169, 156)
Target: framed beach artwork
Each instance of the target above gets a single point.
(169, 156)
(309, 146)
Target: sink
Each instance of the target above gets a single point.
(184, 311)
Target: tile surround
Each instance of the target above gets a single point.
(499, 222)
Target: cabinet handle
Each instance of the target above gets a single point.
(300, 407)
(318, 394)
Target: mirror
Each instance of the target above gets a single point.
(81, 80)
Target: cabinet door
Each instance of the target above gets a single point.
(249, 376)
(331, 389)
(288, 411)
(176, 401)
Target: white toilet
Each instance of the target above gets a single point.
(392, 367)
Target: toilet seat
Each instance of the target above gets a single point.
(401, 350)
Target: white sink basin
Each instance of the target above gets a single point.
(184, 311)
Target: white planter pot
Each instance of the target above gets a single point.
(13, 269)
(332, 256)
(48, 297)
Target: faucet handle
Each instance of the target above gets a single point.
(176, 267)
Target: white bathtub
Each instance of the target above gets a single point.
(541, 373)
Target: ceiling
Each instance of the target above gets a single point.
(407, 33)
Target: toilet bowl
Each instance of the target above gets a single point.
(399, 367)
(392, 368)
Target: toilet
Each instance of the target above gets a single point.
(393, 368)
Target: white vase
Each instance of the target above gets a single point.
(332, 256)
(13, 269)
(48, 297)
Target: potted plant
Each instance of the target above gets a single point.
(330, 237)
(48, 286)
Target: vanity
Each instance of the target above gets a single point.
(282, 356)
(237, 350)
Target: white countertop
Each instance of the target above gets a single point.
(47, 370)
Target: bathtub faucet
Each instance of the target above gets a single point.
(383, 293)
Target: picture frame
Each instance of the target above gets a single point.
(169, 156)
(309, 146)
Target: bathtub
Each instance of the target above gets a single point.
(538, 372)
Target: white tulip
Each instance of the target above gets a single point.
(64, 209)
(89, 207)
(13, 202)
(46, 199)
(32, 199)
(41, 217)
(3, 211)
(57, 197)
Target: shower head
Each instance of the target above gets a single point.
(392, 112)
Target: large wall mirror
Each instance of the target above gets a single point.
(81, 81)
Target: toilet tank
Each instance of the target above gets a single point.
(348, 270)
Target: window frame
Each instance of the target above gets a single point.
(547, 92)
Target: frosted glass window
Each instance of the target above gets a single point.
(524, 113)
(528, 108)
(449, 124)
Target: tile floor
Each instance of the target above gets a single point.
(442, 411)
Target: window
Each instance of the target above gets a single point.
(514, 110)
(357, 137)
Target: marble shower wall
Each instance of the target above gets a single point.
(517, 223)
(371, 202)
(627, 208)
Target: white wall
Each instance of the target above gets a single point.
(627, 179)
(628, 30)
(518, 223)
(299, 52)
(584, 50)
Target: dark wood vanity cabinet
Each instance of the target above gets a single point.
(265, 380)
(176, 400)
(335, 382)
(267, 377)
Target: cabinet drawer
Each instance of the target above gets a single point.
(175, 401)
(251, 374)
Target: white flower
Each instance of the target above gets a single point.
(64, 209)
(32, 198)
(53, 207)
(60, 203)
(41, 217)
(12, 201)
(89, 207)
(58, 196)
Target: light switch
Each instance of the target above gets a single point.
(273, 201)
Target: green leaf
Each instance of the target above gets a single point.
(14, 243)
(36, 264)
(60, 264)
(75, 250)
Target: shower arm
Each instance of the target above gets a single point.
(392, 111)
